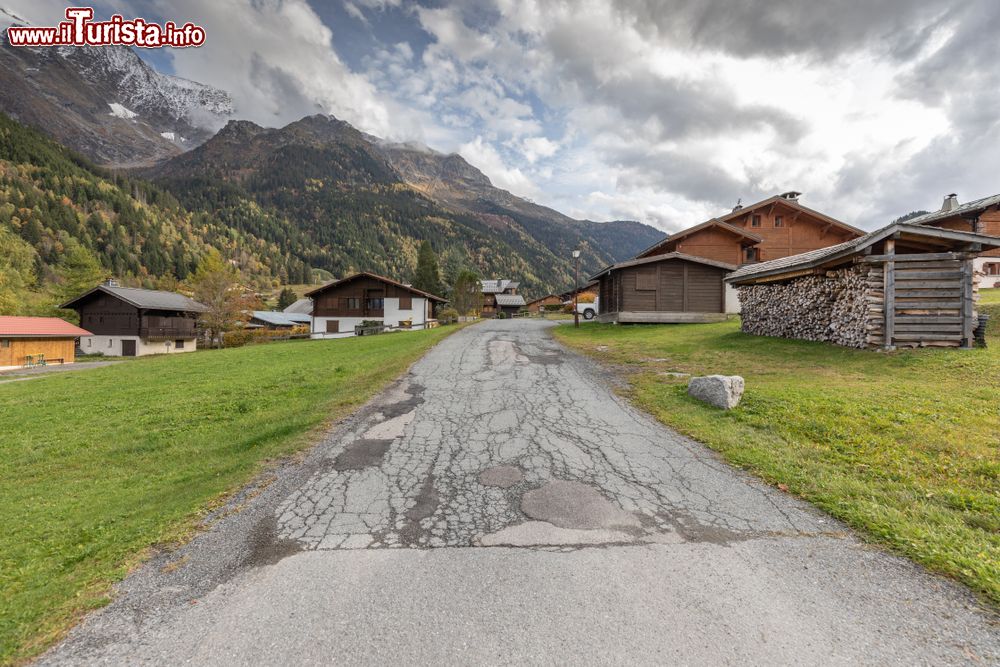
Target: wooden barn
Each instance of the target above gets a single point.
(29, 340)
(546, 302)
(904, 285)
(668, 288)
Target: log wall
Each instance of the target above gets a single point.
(918, 302)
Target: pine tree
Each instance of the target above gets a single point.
(286, 298)
(428, 275)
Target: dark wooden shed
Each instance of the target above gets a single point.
(669, 288)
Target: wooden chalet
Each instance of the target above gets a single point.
(130, 322)
(495, 291)
(776, 227)
(981, 216)
(538, 305)
(364, 301)
(26, 341)
(669, 288)
(903, 285)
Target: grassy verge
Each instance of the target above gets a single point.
(904, 447)
(101, 464)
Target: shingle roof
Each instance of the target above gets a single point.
(968, 207)
(145, 298)
(510, 300)
(39, 327)
(432, 297)
(273, 317)
(661, 258)
(497, 286)
(302, 306)
(815, 258)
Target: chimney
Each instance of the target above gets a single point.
(950, 202)
(791, 195)
(111, 282)
(739, 205)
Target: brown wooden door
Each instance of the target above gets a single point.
(128, 348)
(333, 326)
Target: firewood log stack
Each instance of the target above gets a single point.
(834, 307)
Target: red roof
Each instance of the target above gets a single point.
(39, 327)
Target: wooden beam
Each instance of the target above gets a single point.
(889, 285)
(967, 306)
(915, 257)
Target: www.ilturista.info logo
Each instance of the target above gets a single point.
(80, 30)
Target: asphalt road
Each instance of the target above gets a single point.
(501, 505)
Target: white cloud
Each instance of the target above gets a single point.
(485, 157)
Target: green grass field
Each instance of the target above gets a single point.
(99, 465)
(904, 447)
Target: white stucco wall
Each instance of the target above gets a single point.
(732, 300)
(392, 316)
(111, 346)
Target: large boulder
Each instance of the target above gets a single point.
(722, 391)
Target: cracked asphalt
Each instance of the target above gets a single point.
(500, 504)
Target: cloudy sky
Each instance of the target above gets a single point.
(665, 111)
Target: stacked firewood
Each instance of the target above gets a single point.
(831, 307)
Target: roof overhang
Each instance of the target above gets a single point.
(375, 276)
(714, 222)
(795, 206)
(902, 232)
(662, 258)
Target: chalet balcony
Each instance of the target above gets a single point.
(167, 333)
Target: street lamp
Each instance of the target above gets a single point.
(576, 288)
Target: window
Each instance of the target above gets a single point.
(5, 342)
(353, 303)
(406, 303)
(90, 342)
(753, 254)
(374, 304)
(645, 281)
(779, 221)
(755, 221)
(992, 269)
(110, 342)
(179, 344)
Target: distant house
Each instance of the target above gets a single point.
(37, 337)
(130, 322)
(341, 308)
(587, 290)
(667, 288)
(981, 216)
(491, 289)
(539, 305)
(272, 319)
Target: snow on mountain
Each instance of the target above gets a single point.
(67, 91)
(122, 112)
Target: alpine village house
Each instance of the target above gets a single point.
(500, 296)
(131, 322)
(363, 301)
(681, 278)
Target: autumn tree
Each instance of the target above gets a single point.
(216, 284)
(17, 265)
(78, 271)
(466, 293)
(428, 275)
